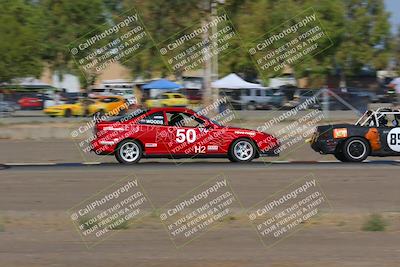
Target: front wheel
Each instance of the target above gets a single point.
(356, 149)
(128, 152)
(242, 150)
(251, 106)
(67, 113)
(100, 113)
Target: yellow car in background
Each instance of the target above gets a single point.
(168, 100)
(110, 105)
(79, 108)
(114, 105)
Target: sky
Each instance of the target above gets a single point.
(393, 6)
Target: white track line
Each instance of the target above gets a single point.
(99, 163)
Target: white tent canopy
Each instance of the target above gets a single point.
(233, 81)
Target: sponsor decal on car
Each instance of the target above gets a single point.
(113, 129)
(212, 148)
(340, 133)
(243, 132)
(150, 145)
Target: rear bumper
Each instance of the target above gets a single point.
(324, 146)
(101, 147)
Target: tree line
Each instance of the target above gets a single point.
(36, 33)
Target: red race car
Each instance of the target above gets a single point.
(178, 133)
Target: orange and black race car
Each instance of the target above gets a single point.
(376, 133)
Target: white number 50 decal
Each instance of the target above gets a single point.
(181, 137)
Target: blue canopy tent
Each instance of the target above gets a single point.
(158, 86)
(162, 84)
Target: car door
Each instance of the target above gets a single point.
(390, 138)
(188, 134)
(151, 130)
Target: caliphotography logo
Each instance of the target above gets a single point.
(199, 133)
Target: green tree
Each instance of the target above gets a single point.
(65, 21)
(22, 41)
(162, 20)
(396, 51)
(366, 39)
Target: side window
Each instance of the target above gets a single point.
(109, 100)
(247, 92)
(156, 118)
(178, 96)
(180, 119)
(258, 92)
(392, 120)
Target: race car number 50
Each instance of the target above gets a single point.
(393, 139)
(183, 135)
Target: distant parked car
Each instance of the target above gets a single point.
(360, 92)
(85, 107)
(346, 99)
(302, 95)
(79, 108)
(30, 103)
(168, 100)
(251, 99)
(6, 109)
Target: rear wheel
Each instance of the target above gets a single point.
(242, 150)
(128, 152)
(356, 149)
(99, 113)
(251, 106)
(340, 156)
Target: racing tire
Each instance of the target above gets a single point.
(356, 149)
(67, 113)
(242, 150)
(340, 156)
(99, 113)
(128, 152)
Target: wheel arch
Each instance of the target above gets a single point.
(248, 138)
(355, 136)
(130, 138)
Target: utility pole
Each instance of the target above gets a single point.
(211, 63)
(214, 63)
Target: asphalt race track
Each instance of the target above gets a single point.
(42, 180)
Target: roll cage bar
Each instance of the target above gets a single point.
(373, 116)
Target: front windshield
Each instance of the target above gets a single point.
(213, 121)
